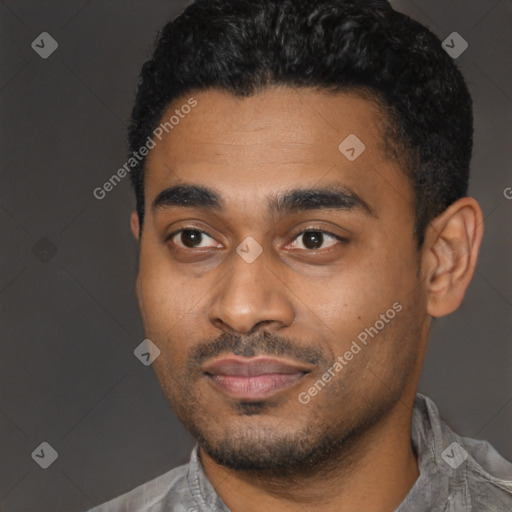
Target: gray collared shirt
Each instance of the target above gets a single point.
(456, 474)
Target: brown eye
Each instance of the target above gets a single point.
(314, 239)
(190, 238)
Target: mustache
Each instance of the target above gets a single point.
(261, 343)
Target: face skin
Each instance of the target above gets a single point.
(304, 300)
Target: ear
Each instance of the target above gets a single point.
(134, 225)
(450, 253)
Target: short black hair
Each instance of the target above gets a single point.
(363, 46)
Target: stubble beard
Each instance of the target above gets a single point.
(321, 446)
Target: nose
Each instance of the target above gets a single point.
(251, 295)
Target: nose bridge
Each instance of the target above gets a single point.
(251, 293)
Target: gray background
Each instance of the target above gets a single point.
(70, 322)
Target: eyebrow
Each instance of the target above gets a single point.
(190, 196)
(334, 196)
(330, 196)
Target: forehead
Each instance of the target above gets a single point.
(271, 141)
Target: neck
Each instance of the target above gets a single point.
(374, 474)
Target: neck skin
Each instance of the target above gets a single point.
(376, 476)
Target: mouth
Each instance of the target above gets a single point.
(254, 378)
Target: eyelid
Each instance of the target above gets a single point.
(189, 228)
(319, 230)
(324, 231)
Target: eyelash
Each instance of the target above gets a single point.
(297, 235)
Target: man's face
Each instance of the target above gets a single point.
(294, 303)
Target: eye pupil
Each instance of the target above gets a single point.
(190, 236)
(313, 239)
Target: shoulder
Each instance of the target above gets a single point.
(152, 496)
(479, 478)
(488, 477)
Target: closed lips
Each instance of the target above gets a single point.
(252, 367)
(254, 378)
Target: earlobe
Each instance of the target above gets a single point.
(451, 250)
(134, 225)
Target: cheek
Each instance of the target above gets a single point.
(170, 304)
(161, 288)
(165, 322)
(161, 299)
(354, 297)
(351, 291)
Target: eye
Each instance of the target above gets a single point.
(314, 239)
(190, 238)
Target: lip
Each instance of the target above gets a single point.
(254, 378)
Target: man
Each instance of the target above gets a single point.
(301, 171)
